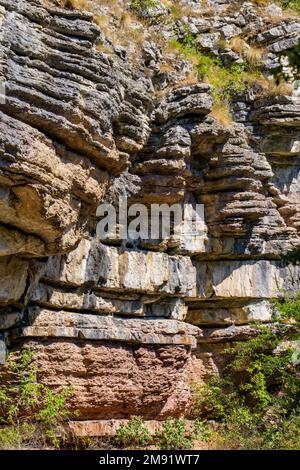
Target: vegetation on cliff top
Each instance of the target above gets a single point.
(227, 81)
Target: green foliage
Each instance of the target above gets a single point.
(10, 438)
(292, 257)
(201, 430)
(134, 433)
(225, 82)
(141, 5)
(22, 393)
(294, 4)
(30, 410)
(213, 398)
(289, 307)
(174, 435)
(256, 401)
(282, 433)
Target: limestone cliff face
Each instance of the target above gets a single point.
(128, 325)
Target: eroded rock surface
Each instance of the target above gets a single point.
(129, 324)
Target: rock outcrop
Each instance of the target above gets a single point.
(128, 324)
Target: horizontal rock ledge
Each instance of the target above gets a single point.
(236, 333)
(62, 324)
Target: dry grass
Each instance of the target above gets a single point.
(207, 10)
(254, 55)
(166, 67)
(126, 20)
(221, 113)
(268, 88)
(75, 4)
(261, 3)
(178, 11)
(102, 21)
(130, 31)
(288, 14)
(167, 47)
(119, 26)
(101, 48)
(238, 44)
(133, 39)
(191, 79)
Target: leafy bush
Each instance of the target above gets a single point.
(289, 307)
(174, 435)
(256, 401)
(134, 433)
(225, 82)
(201, 430)
(292, 257)
(29, 410)
(294, 4)
(141, 5)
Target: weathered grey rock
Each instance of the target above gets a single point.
(118, 318)
(210, 313)
(230, 30)
(93, 327)
(10, 318)
(15, 242)
(230, 57)
(194, 99)
(281, 111)
(209, 41)
(234, 333)
(59, 190)
(281, 37)
(198, 25)
(246, 279)
(111, 268)
(13, 275)
(86, 300)
(277, 144)
(274, 10)
(170, 308)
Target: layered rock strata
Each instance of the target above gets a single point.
(129, 324)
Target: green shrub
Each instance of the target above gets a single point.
(283, 434)
(134, 433)
(201, 430)
(294, 4)
(29, 410)
(225, 82)
(256, 400)
(141, 5)
(10, 438)
(289, 307)
(292, 257)
(174, 435)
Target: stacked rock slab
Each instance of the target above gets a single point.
(129, 325)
